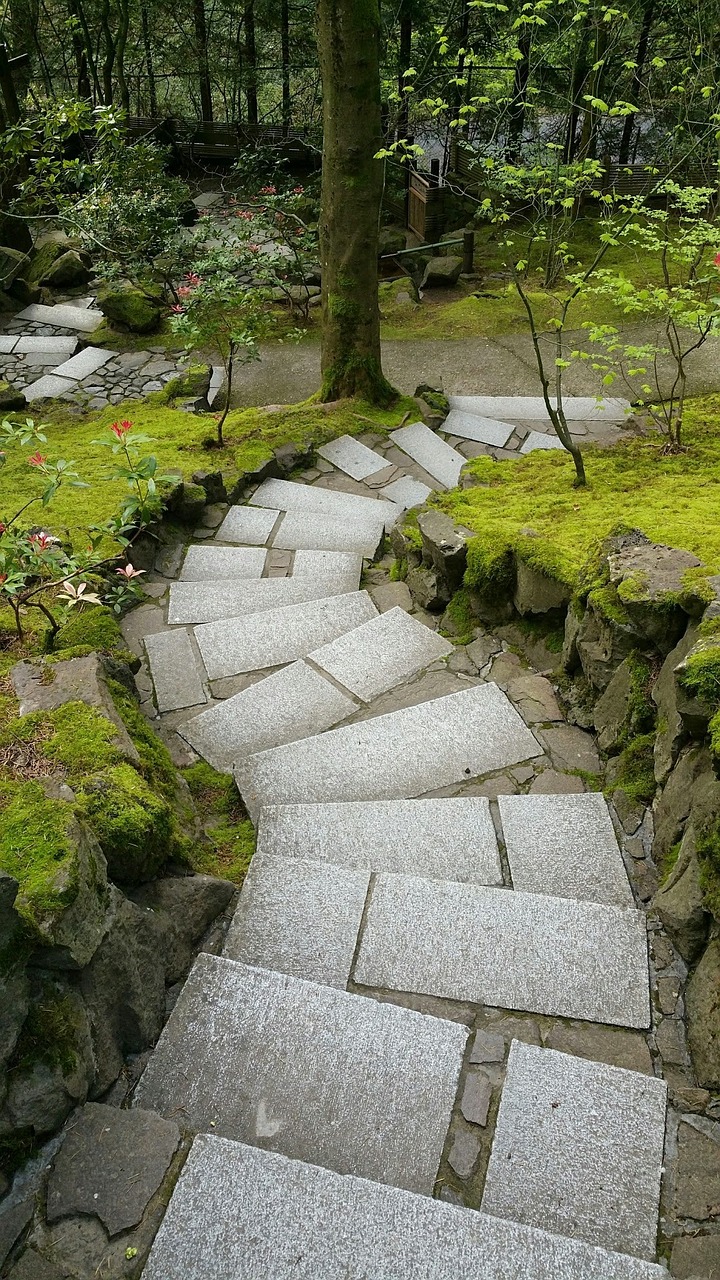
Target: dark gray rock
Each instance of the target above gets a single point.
(442, 273)
(601, 642)
(190, 904)
(33, 1266)
(188, 502)
(695, 1257)
(488, 1046)
(291, 456)
(463, 1154)
(56, 1068)
(40, 687)
(649, 578)
(476, 1096)
(536, 593)
(12, 263)
(110, 1164)
(702, 1005)
(680, 903)
(14, 1217)
(213, 483)
(444, 547)
(427, 589)
(668, 697)
(697, 1182)
(73, 926)
(673, 807)
(611, 710)
(11, 398)
(69, 269)
(14, 1003)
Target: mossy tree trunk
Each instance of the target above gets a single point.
(349, 49)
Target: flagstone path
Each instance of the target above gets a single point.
(424, 1053)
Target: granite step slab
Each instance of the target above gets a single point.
(432, 453)
(315, 1073)
(249, 525)
(292, 703)
(48, 386)
(260, 1214)
(286, 495)
(8, 342)
(471, 426)
(564, 845)
(578, 1150)
(195, 602)
(62, 316)
(84, 363)
(175, 670)
(447, 839)
(380, 654)
(402, 754)
(277, 636)
(577, 408)
(507, 949)
(315, 531)
(352, 457)
(334, 567)
(407, 492)
(539, 440)
(30, 343)
(299, 917)
(203, 564)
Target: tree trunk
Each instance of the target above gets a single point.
(152, 89)
(518, 106)
(579, 76)
(349, 49)
(636, 86)
(405, 54)
(285, 55)
(201, 44)
(251, 54)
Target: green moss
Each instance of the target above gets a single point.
(635, 772)
(666, 864)
(398, 570)
(36, 851)
(641, 712)
(133, 823)
(708, 853)
(130, 307)
(231, 836)
(490, 569)
(193, 382)
(607, 603)
(83, 740)
(43, 260)
(50, 1033)
(156, 763)
(96, 628)
(701, 676)
(460, 613)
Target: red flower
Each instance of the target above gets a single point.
(193, 278)
(3, 578)
(298, 191)
(716, 260)
(245, 214)
(268, 191)
(184, 291)
(37, 460)
(254, 248)
(3, 527)
(121, 429)
(178, 310)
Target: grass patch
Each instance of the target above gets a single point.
(231, 835)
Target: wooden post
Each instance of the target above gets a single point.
(435, 173)
(468, 252)
(7, 86)
(409, 166)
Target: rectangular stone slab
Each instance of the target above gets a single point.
(7, 343)
(210, 601)
(507, 949)
(175, 670)
(340, 568)
(448, 839)
(211, 564)
(352, 457)
(315, 1073)
(564, 846)
(380, 654)
(407, 492)
(260, 1214)
(471, 426)
(84, 363)
(289, 704)
(48, 386)
(276, 636)
(430, 452)
(578, 1150)
(251, 525)
(539, 440)
(313, 531)
(577, 408)
(398, 755)
(29, 343)
(63, 317)
(285, 495)
(299, 917)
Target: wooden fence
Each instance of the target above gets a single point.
(426, 206)
(209, 140)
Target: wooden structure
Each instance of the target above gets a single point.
(425, 206)
(202, 140)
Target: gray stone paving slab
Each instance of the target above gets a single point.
(539, 440)
(252, 525)
(352, 457)
(315, 1073)
(175, 670)
(84, 363)
(340, 569)
(564, 845)
(50, 385)
(209, 601)
(507, 949)
(407, 492)
(433, 454)
(28, 344)
(269, 639)
(577, 408)
(449, 839)
(7, 343)
(299, 917)
(289, 704)
(314, 531)
(285, 495)
(259, 1214)
(380, 654)
(471, 426)
(63, 317)
(398, 755)
(211, 564)
(578, 1150)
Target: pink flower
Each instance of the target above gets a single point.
(3, 578)
(245, 214)
(268, 191)
(184, 291)
(42, 541)
(298, 191)
(716, 261)
(177, 310)
(193, 278)
(37, 460)
(129, 572)
(254, 248)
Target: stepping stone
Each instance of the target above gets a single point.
(84, 363)
(539, 440)
(578, 1149)
(380, 654)
(249, 1206)
(564, 845)
(433, 454)
(51, 346)
(63, 317)
(203, 564)
(285, 495)
(281, 635)
(315, 1073)
(175, 670)
(352, 457)
(577, 408)
(448, 839)
(206, 199)
(470, 426)
(7, 343)
(507, 949)
(407, 492)
(48, 386)
(299, 917)
(211, 601)
(251, 525)
(341, 567)
(398, 755)
(313, 531)
(293, 703)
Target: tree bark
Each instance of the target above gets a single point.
(285, 55)
(349, 48)
(201, 44)
(405, 54)
(251, 55)
(147, 46)
(518, 106)
(636, 86)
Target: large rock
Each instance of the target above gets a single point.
(398, 293)
(697, 1180)
(133, 823)
(391, 240)
(15, 233)
(650, 579)
(696, 1257)
(189, 905)
(53, 1066)
(43, 687)
(129, 307)
(45, 255)
(604, 638)
(70, 918)
(11, 398)
(12, 264)
(611, 710)
(680, 905)
(428, 589)
(668, 698)
(702, 1004)
(14, 1004)
(536, 593)
(444, 547)
(442, 273)
(69, 269)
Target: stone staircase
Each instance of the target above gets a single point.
(379, 1029)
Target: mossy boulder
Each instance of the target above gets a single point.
(625, 710)
(133, 824)
(192, 384)
(52, 1068)
(15, 233)
(680, 905)
(11, 398)
(68, 270)
(42, 261)
(702, 1002)
(130, 307)
(398, 293)
(12, 263)
(187, 502)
